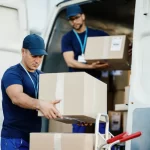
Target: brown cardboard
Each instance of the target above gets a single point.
(57, 141)
(127, 90)
(125, 114)
(111, 49)
(59, 127)
(82, 96)
(129, 74)
(121, 81)
(119, 97)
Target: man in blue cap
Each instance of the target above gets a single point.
(19, 87)
(73, 45)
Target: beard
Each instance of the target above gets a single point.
(77, 27)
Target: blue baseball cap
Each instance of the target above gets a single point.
(73, 10)
(35, 44)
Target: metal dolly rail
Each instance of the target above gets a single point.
(107, 141)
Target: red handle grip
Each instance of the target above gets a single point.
(129, 137)
(118, 137)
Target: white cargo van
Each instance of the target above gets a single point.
(130, 17)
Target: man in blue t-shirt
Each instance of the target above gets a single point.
(19, 87)
(73, 45)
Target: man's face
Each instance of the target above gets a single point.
(77, 21)
(31, 62)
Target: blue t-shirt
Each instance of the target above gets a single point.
(19, 122)
(70, 43)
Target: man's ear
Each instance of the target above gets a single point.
(23, 51)
(83, 17)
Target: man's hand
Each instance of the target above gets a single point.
(84, 124)
(71, 62)
(98, 65)
(49, 110)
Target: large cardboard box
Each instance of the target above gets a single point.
(119, 97)
(82, 96)
(111, 49)
(58, 141)
(59, 127)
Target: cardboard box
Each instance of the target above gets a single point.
(127, 90)
(115, 120)
(59, 127)
(58, 141)
(129, 77)
(82, 96)
(125, 115)
(111, 49)
(119, 97)
(121, 81)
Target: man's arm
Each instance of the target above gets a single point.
(15, 93)
(71, 62)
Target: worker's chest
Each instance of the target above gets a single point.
(30, 87)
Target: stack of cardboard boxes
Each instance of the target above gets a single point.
(122, 98)
(61, 141)
(114, 50)
(82, 96)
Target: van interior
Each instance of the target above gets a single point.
(116, 17)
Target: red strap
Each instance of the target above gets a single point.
(129, 137)
(118, 137)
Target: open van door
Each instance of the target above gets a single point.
(13, 28)
(139, 99)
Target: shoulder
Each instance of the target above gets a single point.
(39, 71)
(16, 69)
(12, 75)
(67, 35)
(97, 32)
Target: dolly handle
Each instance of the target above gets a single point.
(129, 137)
(118, 137)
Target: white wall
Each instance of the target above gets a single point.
(38, 12)
(13, 29)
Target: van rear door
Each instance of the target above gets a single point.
(13, 28)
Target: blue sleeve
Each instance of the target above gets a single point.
(66, 44)
(10, 78)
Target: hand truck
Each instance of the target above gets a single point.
(107, 141)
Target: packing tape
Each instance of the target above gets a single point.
(57, 141)
(59, 94)
(105, 52)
